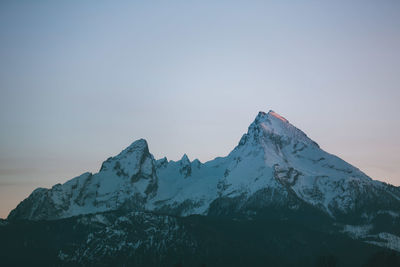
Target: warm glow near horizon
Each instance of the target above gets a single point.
(80, 81)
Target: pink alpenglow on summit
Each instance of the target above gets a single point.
(276, 115)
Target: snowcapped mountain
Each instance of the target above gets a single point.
(273, 160)
(275, 167)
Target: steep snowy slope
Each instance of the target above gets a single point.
(129, 177)
(274, 164)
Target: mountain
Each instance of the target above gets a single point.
(275, 175)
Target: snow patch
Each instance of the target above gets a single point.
(357, 231)
(387, 240)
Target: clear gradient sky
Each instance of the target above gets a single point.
(81, 80)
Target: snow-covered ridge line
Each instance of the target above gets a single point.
(274, 164)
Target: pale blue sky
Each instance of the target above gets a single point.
(81, 81)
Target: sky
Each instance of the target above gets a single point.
(81, 80)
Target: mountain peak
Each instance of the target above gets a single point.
(262, 116)
(140, 143)
(271, 124)
(133, 154)
(185, 159)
